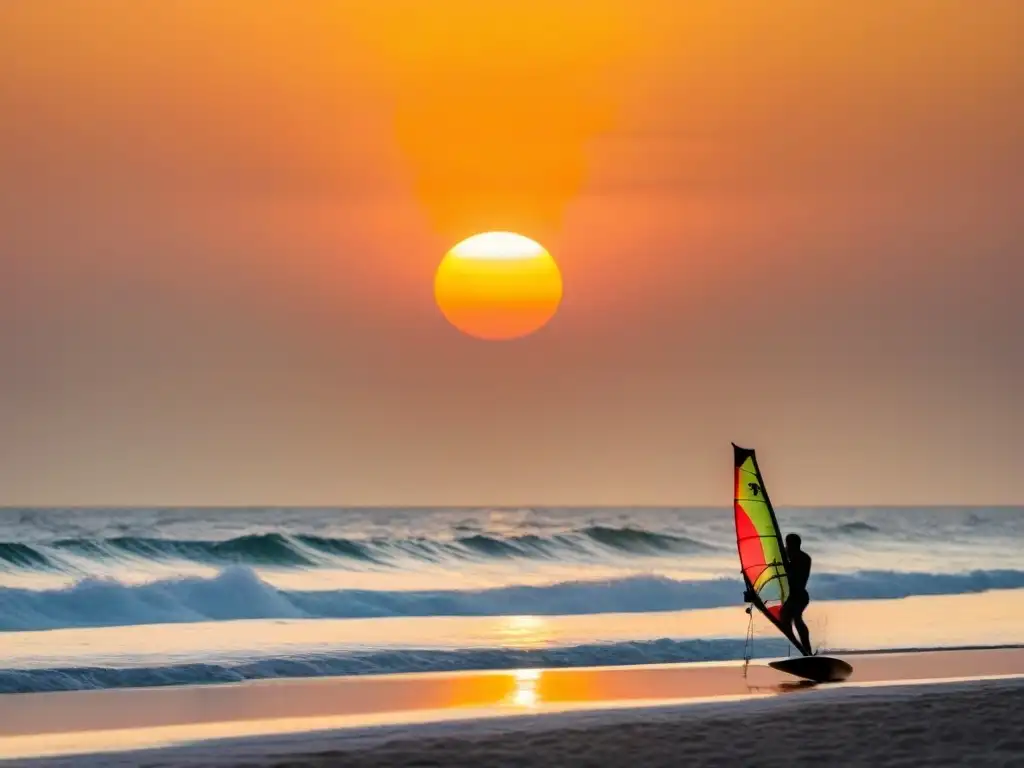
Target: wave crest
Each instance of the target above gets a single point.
(239, 593)
(310, 551)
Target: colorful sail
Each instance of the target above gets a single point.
(762, 555)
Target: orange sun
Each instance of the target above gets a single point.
(498, 285)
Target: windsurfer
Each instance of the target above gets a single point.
(799, 573)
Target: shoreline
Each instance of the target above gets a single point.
(95, 722)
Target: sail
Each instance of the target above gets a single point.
(762, 556)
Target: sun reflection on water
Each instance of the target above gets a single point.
(526, 632)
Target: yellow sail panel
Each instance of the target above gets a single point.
(762, 558)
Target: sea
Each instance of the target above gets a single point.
(112, 598)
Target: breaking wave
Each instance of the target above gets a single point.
(238, 592)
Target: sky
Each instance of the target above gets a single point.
(796, 226)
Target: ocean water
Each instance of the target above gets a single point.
(93, 598)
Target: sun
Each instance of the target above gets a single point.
(498, 285)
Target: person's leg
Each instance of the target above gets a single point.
(795, 616)
(805, 635)
(786, 625)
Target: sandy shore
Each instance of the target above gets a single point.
(649, 716)
(975, 723)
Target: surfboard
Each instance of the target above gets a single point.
(765, 566)
(820, 669)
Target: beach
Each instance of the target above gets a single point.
(526, 637)
(893, 706)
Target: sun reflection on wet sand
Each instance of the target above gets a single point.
(525, 694)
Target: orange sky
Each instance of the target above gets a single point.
(794, 225)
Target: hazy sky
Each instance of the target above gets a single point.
(794, 225)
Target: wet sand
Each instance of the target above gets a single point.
(975, 724)
(384, 720)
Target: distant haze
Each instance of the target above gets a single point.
(798, 226)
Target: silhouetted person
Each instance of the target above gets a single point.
(799, 573)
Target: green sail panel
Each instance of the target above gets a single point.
(763, 559)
